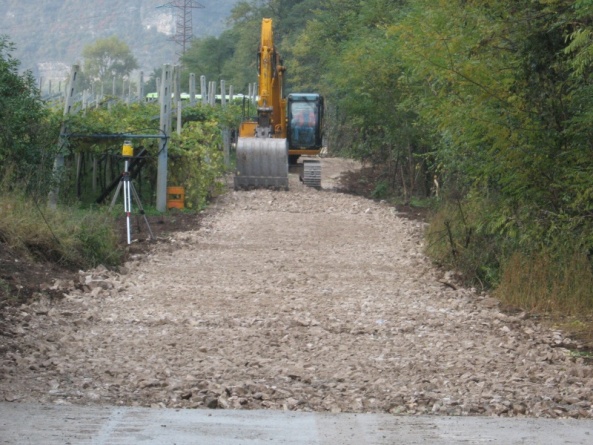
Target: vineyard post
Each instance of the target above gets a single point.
(212, 94)
(203, 90)
(176, 84)
(179, 112)
(165, 126)
(192, 89)
(223, 93)
(177, 95)
(58, 168)
(141, 87)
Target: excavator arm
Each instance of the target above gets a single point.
(271, 105)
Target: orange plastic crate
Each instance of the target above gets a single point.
(175, 198)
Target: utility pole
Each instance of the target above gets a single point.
(183, 22)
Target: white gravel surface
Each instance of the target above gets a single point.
(303, 300)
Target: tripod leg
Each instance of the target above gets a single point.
(117, 190)
(139, 204)
(128, 207)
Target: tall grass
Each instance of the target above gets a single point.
(548, 282)
(68, 236)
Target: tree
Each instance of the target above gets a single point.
(108, 58)
(232, 55)
(24, 134)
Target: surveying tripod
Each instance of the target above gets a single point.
(126, 183)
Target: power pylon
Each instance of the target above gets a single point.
(183, 22)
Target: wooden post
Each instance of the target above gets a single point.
(165, 126)
(231, 94)
(58, 167)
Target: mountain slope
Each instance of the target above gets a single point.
(50, 34)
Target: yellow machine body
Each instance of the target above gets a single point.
(264, 145)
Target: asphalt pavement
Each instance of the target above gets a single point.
(96, 425)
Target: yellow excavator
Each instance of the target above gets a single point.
(285, 128)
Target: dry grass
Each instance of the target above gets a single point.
(557, 286)
(68, 236)
(543, 283)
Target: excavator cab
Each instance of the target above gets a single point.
(305, 117)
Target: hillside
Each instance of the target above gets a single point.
(50, 34)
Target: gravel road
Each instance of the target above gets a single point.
(304, 300)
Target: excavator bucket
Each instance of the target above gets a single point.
(262, 163)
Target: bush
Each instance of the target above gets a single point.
(459, 238)
(28, 128)
(197, 162)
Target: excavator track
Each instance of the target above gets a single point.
(312, 173)
(261, 162)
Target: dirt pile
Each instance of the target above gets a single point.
(300, 300)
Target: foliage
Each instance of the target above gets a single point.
(197, 162)
(27, 128)
(119, 118)
(106, 59)
(232, 55)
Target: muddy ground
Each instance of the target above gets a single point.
(302, 300)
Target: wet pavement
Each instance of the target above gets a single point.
(68, 424)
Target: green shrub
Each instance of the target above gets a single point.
(197, 162)
(460, 238)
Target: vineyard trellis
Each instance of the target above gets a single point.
(92, 172)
